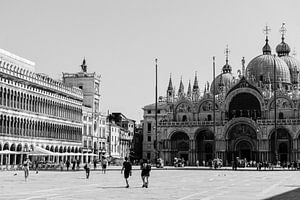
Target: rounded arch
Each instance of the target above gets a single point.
(282, 145)
(204, 144)
(183, 111)
(253, 92)
(281, 132)
(206, 105)
(6, 146)
(244, 104)
(179, 145)
(283, 102)
(242, 120)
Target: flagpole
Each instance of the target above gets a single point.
(275, 109)
(214, 96)
(156, 145)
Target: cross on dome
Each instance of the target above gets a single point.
(282, 30)
(267, 30)
(227, 51)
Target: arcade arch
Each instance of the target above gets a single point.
(179, 145)
(244, 105)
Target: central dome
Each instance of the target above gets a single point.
(261, 68)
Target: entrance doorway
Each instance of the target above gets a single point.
(244, 149)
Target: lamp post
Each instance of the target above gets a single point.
(275, 109)
(156, 145)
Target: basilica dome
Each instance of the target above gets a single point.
(294, 67)
(225, 79)
(261, 68)
(283, 51)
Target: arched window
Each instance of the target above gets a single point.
(281, 116)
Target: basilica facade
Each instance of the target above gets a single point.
(256, 114)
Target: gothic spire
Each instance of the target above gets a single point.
(181, 88)
(195, 86)
(189, 92)
(170, 87)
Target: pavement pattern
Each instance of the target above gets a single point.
(163, 184)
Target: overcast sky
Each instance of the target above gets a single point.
(121, 39)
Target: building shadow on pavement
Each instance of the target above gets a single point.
(115, 187)
(290, 195)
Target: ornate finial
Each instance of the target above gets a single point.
(267, 48)
(83, 65)
(282, 30)
(243, 66)
(294, 52)
(267, 30)
(227, 51)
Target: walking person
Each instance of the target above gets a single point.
(68, 164)
(78, 164)
(146, 168)
(26, 168)
(104, 165)
(87, 168)
(95, 164)
(36, 166)
(127, 167)
(74, 163)
(61, 164)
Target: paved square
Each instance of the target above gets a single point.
(164, 184)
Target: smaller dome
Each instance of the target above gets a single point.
(266, 49)
(294, 67)
(224, 79)
(283, 49)
(227, 68)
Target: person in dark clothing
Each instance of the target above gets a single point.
(74, 164)
(127, 167)
(146, 168)
(78, 162)
(87, 168)
(95, 164)
(68, 164)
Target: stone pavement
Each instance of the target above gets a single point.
(164, 184)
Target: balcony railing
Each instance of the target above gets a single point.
(279, 121)
(192, 123)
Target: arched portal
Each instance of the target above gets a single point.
(180, 145)
(204, 145)
(244, 105)
(283, 145)
(244, 149)
(242, 142)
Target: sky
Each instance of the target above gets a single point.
(121, 39)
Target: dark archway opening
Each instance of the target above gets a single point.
(244, 105)
(244, 149)
(180, 146)
(242, 142)
(283, 144)
(205, 145)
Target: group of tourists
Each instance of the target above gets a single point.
(145, 171)
(127, 169)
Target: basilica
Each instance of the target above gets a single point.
(254, 115)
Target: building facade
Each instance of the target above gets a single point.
(89, 83)
(120, 134)
(36, 110)
(256, 114)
